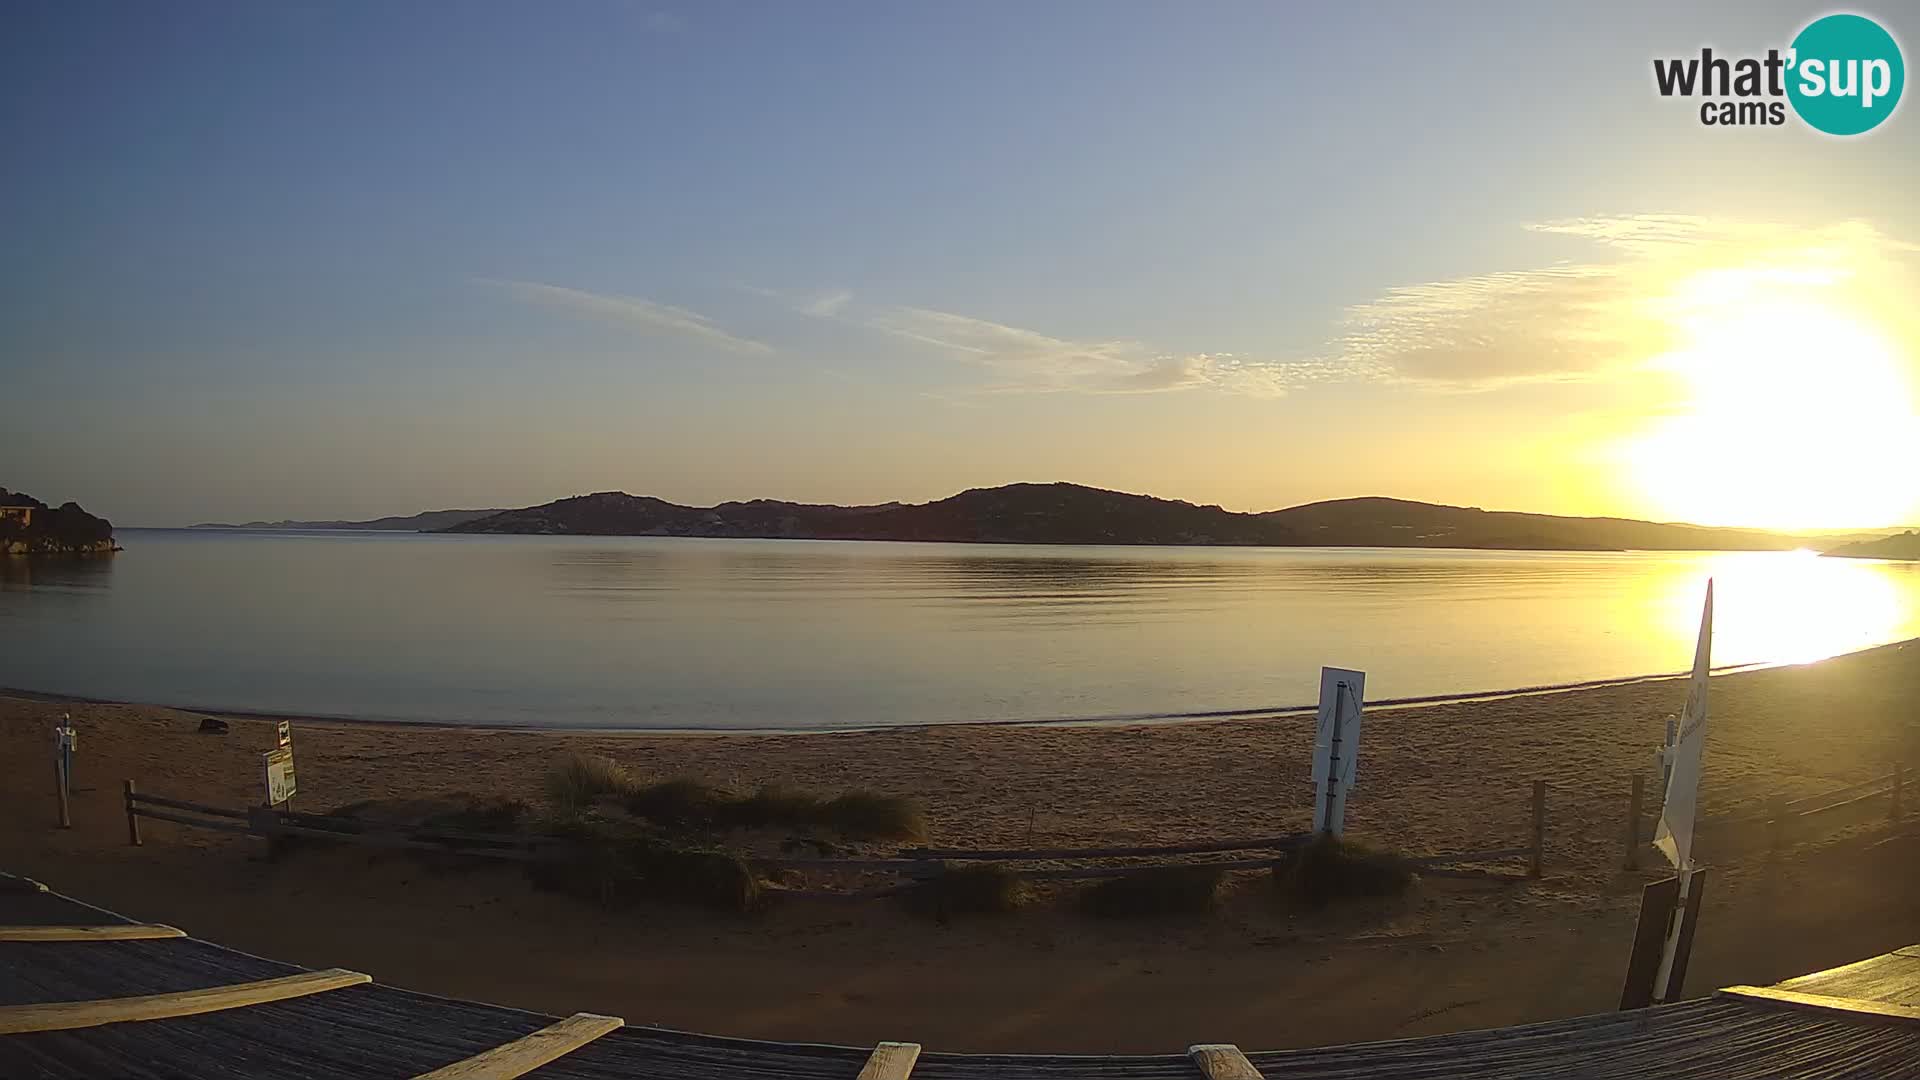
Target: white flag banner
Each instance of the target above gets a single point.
(1674, 837)
(1336, 745)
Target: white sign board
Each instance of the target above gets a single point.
(1336, 745)
(1674, 836)
(280, 786)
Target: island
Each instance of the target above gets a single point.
(1061, 513)
(1904, 545)
(30, 527)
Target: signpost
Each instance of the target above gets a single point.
(66, 739)
(1669, 914)
(1336, 745)
(286, 733)
(280, 784)
(62, 770)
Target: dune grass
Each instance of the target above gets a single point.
(863, 815)
(1329, 870)
(616, 866)
(576, 780)
(974, 889)
(1154, 891)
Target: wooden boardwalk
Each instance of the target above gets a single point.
(199, 1010)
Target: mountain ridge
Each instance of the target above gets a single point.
(1064, 513)
(1901, 546)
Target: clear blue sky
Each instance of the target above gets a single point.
(316, 260)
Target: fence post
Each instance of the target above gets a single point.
(1776, 823)
(1633, 821)
(133, 820)
(1539, 827)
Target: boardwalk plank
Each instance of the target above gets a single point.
(524, 1055)
(65, 1015)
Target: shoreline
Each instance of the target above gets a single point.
(1450, 776)
(1265, 712)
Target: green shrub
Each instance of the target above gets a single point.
(1158, 890)
(576, 780)
(975, 889)
(1329, 869)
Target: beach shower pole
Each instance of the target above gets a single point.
(60, 775)
(1333, 765)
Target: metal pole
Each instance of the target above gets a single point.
(1671, 948)
(1333, 760)
(60, 783)
(1633, 821)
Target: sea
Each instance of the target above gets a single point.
(711, 634)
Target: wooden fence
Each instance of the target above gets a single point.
(912, 864)
(1774, 817)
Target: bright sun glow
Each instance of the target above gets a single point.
(1782, 608)
(1800, 414)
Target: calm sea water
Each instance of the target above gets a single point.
(646, 632)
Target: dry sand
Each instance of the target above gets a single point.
(1436, 778)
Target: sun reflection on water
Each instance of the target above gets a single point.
(1791, 609)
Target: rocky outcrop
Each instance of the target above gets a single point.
(30, 527)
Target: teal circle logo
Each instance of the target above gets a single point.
(1845, 74)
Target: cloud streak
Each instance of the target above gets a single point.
(633, 311)
(1581, 320)
(1028, 361)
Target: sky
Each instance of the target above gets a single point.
(352, 259)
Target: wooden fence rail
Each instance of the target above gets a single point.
(1780, 812)
(913, 864)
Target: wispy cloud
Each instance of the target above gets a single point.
(633, 311)
(1578, 320)
(1023, 360)
(1020, 360)
(825, 305)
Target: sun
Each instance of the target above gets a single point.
(1799, 414)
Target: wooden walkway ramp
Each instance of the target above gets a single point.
(217, 1014)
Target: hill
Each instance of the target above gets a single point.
(1904, 545)
(430, 521)
(30, 527)
(1381, 522)
(1074, 514)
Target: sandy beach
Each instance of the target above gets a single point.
(1436, 778)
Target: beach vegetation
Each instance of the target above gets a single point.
(1154, 891)
(1330, 869)
(859, 814)
(617, 866)
(972, 889)
(577, 780)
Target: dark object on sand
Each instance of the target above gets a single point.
(210, 726)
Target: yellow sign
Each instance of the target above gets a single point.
(280, 786)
